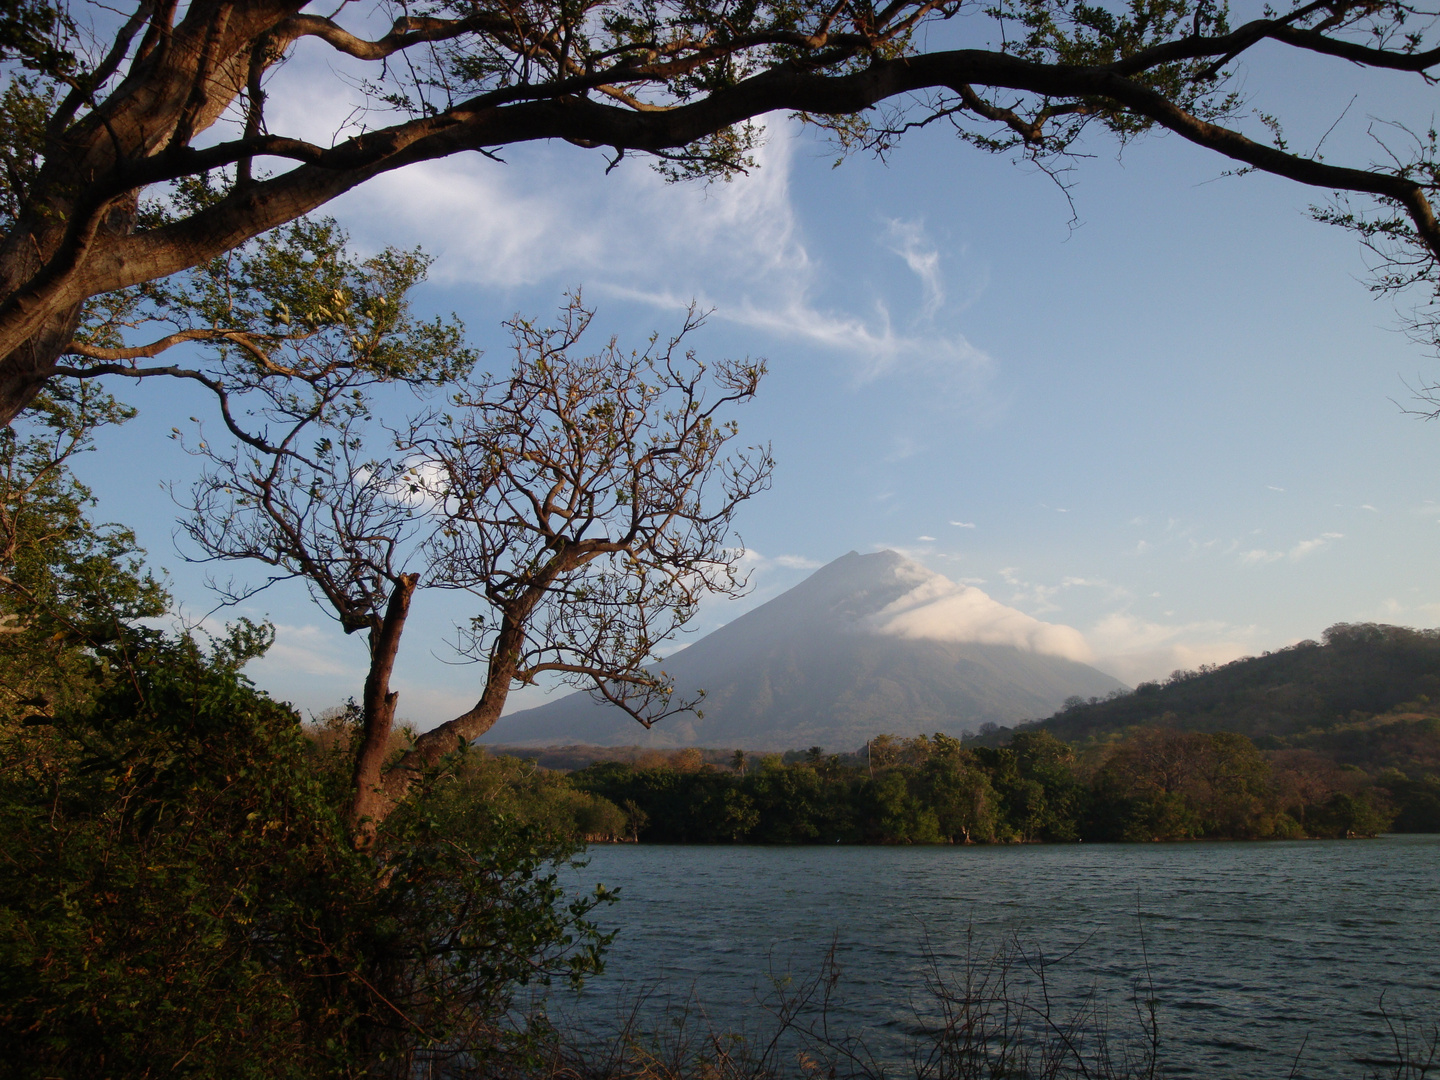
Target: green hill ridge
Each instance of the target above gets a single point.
(1367, 695)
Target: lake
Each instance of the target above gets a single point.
(1254, 950)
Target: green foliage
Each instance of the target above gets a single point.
(25, 105)
(1345, 815)
(959, 790)
(179, 893)
(543, 801)
(1155, 784)
(1072, 32)
(67, 585)
(35, 33)
(1162, 784)
(291, 316)
(1417, 802)
(151, 845)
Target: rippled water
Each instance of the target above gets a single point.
(1253, 949)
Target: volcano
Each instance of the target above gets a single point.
(867, 644)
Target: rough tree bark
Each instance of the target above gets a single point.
(367, 807)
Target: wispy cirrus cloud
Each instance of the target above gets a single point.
(1261, 556)
(556, 217)
(876, 346)
(908, 240)
(737, 248)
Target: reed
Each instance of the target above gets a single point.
(993, 1014)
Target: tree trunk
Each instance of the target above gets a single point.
(369, 805)
(499, 674)
(61, 249)
(470, 725)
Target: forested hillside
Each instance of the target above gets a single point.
(1368, 694)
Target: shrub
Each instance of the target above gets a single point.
(178, 895)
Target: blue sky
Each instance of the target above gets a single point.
(1172, 426)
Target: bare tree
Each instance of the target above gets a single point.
(304, 480)
(105, 109)
(340, 521)
(585, 501)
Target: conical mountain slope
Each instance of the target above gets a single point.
(867, 644)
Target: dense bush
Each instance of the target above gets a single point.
(178, 894)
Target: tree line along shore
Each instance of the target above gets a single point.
(1330, 738)
(1154, 784)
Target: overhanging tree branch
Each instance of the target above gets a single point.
(677, 83)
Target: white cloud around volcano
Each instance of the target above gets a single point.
(1135, 650)
(938, 609)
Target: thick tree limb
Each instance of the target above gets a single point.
(155, 348)
(666, 95)
(406, 32)
(367, 806)
(474, 126)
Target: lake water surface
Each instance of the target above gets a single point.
(1253, 949)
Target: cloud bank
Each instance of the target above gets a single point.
(1131, 648)
(938, 609)
(1135, 650)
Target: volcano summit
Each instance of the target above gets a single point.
(867, 644)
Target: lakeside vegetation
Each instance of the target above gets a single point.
(181, 894)
(1156, 784)
(180, 890)
(1334, 738)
